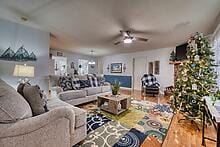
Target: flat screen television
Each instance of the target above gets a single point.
(181, 51)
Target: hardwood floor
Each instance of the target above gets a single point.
(183, 134)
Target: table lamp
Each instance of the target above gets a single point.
(24, 71)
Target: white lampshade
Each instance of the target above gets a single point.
(23, 71)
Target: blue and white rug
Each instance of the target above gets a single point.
(95, 121)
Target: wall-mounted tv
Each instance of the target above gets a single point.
(181, 51)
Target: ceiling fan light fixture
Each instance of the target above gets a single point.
(91, 63)
(127, 40)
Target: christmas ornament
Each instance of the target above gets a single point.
(193, 65)
(185, 79)
(196, 58)
(195, 46)
(194, 87)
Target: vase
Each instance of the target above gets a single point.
(114, 92)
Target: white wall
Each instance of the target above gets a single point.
(215, 40)
(16, 35)
(72, 57)
(166, 76)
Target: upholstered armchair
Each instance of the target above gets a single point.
(62, 126)
(150, 84)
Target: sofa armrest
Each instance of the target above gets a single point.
(57, 89)
(106, 83)
(31, 124)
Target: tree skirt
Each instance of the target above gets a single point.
(143, 121)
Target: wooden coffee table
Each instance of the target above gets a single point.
(110, 103)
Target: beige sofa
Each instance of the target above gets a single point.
(62, 126)
(77, 97)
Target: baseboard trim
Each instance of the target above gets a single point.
(125, 88)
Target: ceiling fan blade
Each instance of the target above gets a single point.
(116, 43)
(140, 39)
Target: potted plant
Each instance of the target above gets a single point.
(115, 87)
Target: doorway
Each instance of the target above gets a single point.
(139, 69)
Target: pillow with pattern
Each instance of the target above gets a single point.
(101, 80)
(93, 81)
(76, 84)
(84, 83)
(66, 83)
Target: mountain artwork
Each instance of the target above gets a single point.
(20, 55)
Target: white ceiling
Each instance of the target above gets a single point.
(84, 25)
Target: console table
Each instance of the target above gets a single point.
(211, 111)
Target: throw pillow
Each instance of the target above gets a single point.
(84, 83)
(34, 97)
(20, 88)
(76, 84)
(93, 81)
(66, 83)
(101, 80)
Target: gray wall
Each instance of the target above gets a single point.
(15, 35)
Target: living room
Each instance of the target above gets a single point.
(109, 73)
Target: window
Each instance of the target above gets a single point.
(83, 67)
(216, 46)
(60, 65)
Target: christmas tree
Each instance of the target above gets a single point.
(196, 78)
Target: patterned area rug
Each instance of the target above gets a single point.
(143, 121)
(95, 121)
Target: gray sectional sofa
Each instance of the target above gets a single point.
(77, 97)
(64, 125)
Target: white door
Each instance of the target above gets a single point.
(139, 69)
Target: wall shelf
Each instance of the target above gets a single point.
(175, 62)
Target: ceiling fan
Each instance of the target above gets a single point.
(127, 38)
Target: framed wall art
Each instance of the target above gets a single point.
(116, 67)
(150, 67)
(156, 67)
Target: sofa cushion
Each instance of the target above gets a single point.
(106, 88)
(80, 114)
(83, 100)
(72, 94)
(65, 83)
(13, 106)
(35, 98)
(93, 90)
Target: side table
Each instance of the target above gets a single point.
(210, 111)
